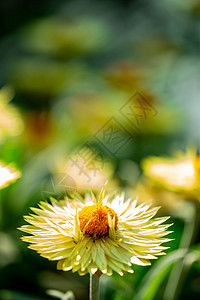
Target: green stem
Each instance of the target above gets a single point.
(94, 287)
(178, 274)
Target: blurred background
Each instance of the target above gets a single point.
(89, 89)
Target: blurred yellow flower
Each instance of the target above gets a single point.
(90, 236)
(91, 177)
(180, 173)
(60, 37)
(86, 169)
(169, 201)
(7, 175)
(10, 121)
(125, 75)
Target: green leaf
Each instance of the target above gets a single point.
(153, 279)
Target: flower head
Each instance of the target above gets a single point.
(180, 173)
(90, 236)
(7, 175)
(10, 121)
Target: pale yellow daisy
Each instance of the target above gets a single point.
(7, 175)
(180, 173)
(90, 236)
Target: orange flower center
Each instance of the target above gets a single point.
(94, 220)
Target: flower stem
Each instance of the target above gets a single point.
(178, 274)
(94, 287)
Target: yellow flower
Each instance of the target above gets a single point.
(180, 173)
(87, 236)
(7, 175)
(10, 121)
(84, 170)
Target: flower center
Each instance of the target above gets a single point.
(94, 220)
